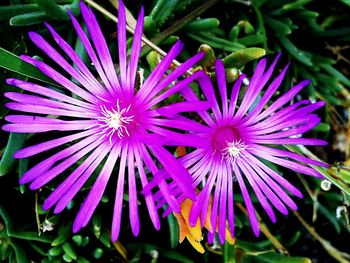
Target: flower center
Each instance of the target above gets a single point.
(233, 150)
(227, 141)
(115, 120)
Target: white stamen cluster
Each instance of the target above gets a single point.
(233, 150)
(114, 121)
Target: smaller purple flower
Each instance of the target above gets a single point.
(242, 135)
(109, 122)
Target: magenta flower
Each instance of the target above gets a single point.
(110, 122)
(241, 133)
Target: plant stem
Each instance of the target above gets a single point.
(332, 251)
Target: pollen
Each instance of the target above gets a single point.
(233, 150)
(115, 121)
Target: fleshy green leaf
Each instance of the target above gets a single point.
(13, 63)
(15, 142)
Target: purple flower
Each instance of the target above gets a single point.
(243, 134)
(110, 122)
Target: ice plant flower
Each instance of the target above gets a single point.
(110, 121)
(244, 134)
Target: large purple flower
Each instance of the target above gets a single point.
(110, 121)
(242, 135)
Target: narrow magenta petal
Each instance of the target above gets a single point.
(271, 183)
(90, 51)
(186, 106)
(48, 93)
(69, 85)
(122, 44)
(221, 80)
(33, 108)
(253, 88)
(234, 94)
(159, 71)
(45, 165)
(292, 165)
(118, 203)
(25, 98)
(268, 94)
(176, 88)
(46, 177)
(283, 99)
(148, 197)
(215, 203)
(254, 223)
(83, 70)
(135, 51)
(81, 171)
(265, 189)
(175, 169)
(293, 141)
(206, 192)
(223, 205)
(42, 147)
(133, 206)
(230, 200)
(176, 139)
(278, 117)
(209, 93)
(185, 124)
(189, 95)
(96, 192)
(283, 153)
(179, 71)
(100, 45)
(54, 55)
(288, 128)
(72, 185)
(257, 189)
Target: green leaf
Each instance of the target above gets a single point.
(22, 168)
(15, 142)
(216, 42)
(52, 9)
(27, 19)
(33, 236)
(56, 251)
(252, 40)
(239, 58)
(63, 234)
(68, 250)
(228, 254)
(162, 10)
(280, 27)
(322, 127)
(347, 2)
(173, 230)
(206, 24)
(302, 56)
(20, 253)
(105, 239)
(97, 253)
(273, 257)
(334, 72)
(13, 63)
(295, 4)
(6, 12)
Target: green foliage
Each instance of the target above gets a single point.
(313, 35)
